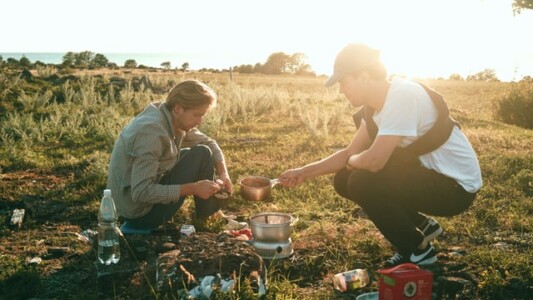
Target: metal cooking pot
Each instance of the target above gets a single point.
(256, 188)
(271, 227)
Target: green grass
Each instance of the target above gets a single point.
(58, 151)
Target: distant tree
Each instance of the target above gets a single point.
(526, 78)
(519, 5)
(296, 64)
(489, 75)
(166, 65)
(456, 76)
(277, 63)
(112, 65)
(83, 59)
(39, 63)
(211, 70)
(68, 59)
(305, 69)
(185, 67)
(485, 75)
(281, 63)
(24, 62)
(1, 60)
(12, 62)
(244, 69)
(99, 61)
(258, 68)
(130, 64)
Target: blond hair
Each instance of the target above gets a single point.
(190, 94)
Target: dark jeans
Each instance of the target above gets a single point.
(396, 197)
(195, 163)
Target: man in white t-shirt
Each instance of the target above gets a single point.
(440, 178)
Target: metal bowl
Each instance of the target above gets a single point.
(223, 198)
(271, 227)
(255, 188)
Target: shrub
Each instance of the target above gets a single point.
(517, 107)
(523, 180)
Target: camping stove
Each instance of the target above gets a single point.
(271, 250)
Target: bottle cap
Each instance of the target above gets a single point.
(107, 192)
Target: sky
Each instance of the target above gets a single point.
(417, 38)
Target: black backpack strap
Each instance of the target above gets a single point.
(436, 136)
(366, 113)
(358, 116)
(439, 133)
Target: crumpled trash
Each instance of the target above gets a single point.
(243, 234)
(87, 235)
(257, 284)
(234, 225)
(210, 284)
(17, 217)
(34, 261)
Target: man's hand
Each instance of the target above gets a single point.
(225, 183)
(292, 177)
(206, 188)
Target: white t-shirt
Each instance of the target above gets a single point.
(408, 111)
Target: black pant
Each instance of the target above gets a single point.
(395, 197)
(195, 164)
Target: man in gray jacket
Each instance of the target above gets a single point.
(160, 157)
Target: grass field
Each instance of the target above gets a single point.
(56, 139)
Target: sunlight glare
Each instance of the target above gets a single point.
(427, 39)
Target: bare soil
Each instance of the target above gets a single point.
(55, 245)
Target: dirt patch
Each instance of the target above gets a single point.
(170, 264)
(49, 255)
(166, 263)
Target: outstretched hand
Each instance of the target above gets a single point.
(291, 178)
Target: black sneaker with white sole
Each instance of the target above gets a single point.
(431, 229)
(419, 257)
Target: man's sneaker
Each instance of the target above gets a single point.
(431, 229)
(419, 257)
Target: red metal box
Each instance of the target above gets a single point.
(405, 281)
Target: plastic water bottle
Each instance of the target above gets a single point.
(108, 236)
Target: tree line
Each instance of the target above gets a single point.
(277, 63)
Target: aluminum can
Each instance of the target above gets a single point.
(351, 280)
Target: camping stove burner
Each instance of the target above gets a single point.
(270, 250)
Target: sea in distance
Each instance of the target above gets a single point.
(195, 61)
